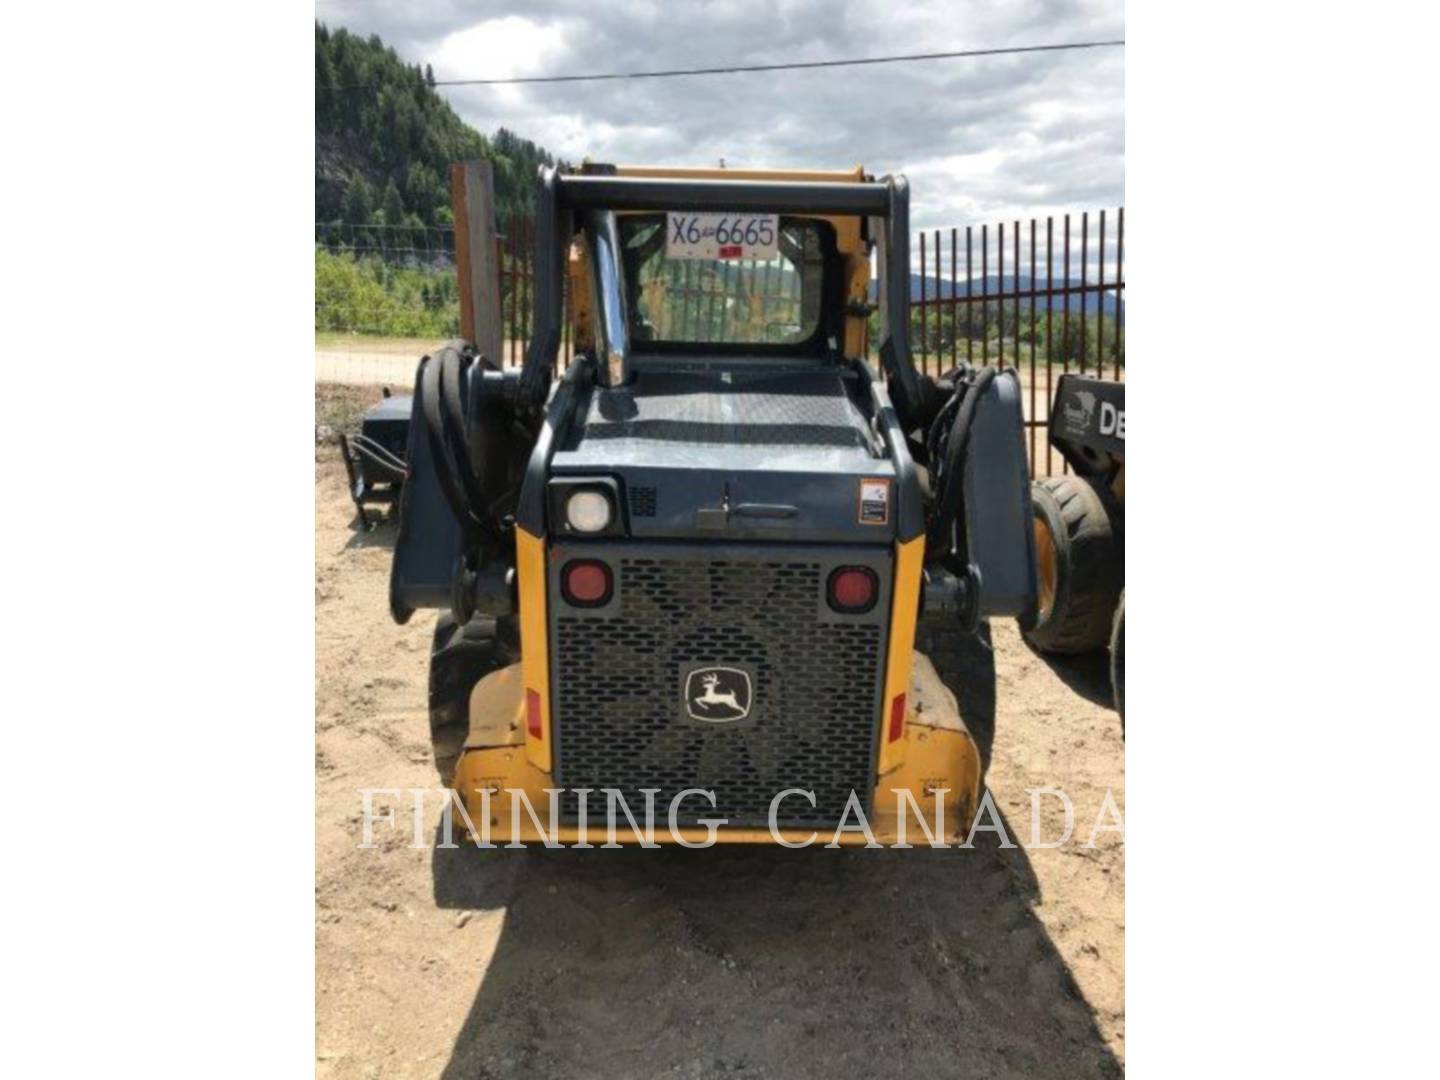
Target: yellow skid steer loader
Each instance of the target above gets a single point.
(680, 581)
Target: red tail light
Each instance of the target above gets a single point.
(853, 589)
(897, 718)
(586, 583)
(532, 713)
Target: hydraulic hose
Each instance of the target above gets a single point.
(949, 503)
(446, 438)
(372, 451)
(453, 365)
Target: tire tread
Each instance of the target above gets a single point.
(1083, 518)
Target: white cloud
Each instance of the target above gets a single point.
(506, 48)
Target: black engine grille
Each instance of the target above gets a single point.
(620, 717)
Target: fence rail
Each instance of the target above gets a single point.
(1029, 316)
(1049, 294)
(400, 244)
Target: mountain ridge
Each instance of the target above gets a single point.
(385, 138)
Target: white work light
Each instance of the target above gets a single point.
(588, 511)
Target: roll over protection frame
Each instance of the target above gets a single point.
(769, 196)
(558, 196)
(553, 230)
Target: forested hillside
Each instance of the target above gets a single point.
(384, 140)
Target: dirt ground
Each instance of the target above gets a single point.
(747, 962)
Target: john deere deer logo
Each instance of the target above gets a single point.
(718, 695)
(713, 696)
(1078, 411)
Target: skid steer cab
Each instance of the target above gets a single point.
(680, 582)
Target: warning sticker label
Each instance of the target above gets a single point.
(874, 502)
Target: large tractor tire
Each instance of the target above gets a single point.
(459, 658)
(1080, 565)
(1117, 659)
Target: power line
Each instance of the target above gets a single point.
(678, 72)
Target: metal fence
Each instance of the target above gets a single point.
(424, 246)
(734, 301)
(1044, 296)
(1049, 298)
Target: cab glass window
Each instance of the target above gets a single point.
(719, 301)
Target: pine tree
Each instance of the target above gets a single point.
(358, 201)
(423, 193)
(429, 76)
(325, 90)
(391, 204)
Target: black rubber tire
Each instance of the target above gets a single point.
(1117, 660)
(459, 658)
(1083, 522)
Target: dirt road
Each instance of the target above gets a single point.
(370, 361)
(727, 962)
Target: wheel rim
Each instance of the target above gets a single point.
(1046, 571)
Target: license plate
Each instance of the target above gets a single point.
(722, 236)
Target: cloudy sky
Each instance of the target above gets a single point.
(982, 140)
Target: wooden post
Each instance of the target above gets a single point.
(462, 251)
(477, 265)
